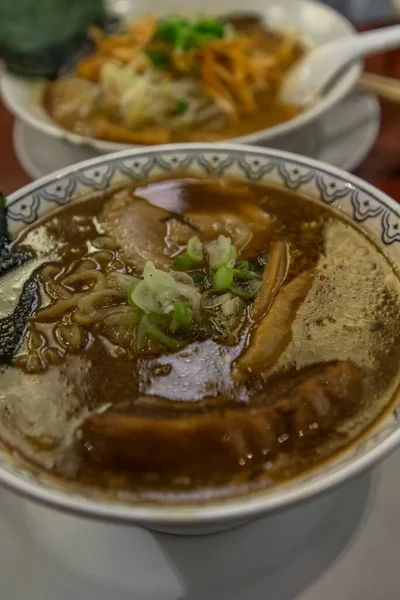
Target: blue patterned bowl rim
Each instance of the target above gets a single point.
(371, 209)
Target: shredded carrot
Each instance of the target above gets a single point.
(125, 54)
(239, 87)
(186, 62)
(228, 72)
(143, 31)
(89, 67)
(215, 87)
(106, 130)
(108, 44)
(226, 105)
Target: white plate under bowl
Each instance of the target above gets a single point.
(340, 547)
(343, 137)
(282, 554)
(315, 22)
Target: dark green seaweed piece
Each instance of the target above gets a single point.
(4, 236)
(13, 327)
(159, 58)
(44, 38)
(10, 257)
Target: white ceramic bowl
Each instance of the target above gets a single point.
(372, 210)
(315, 22)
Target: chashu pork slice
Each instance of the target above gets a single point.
(139, 228)
(147, 232)
(293, 412)
(249, 227)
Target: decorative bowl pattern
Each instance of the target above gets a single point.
(372, 210)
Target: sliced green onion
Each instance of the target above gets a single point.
(222, 279)
(244, 265)
(167, 29)
(243, 271)
(185, 34)
(245, 274)
(169, 26)
(126, 283)
(210, 301)
(247, 290)
(157, 279)
(232, 306)
(145, 298)
(220, 252)
(159, 58)
(182, 277)
(158, 290)
(182, 314)
(214, 27)
(195, 250)
(181, 107)
(185, 39)
(157, 333)
(183, 262)
(131, 301)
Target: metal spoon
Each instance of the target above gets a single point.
(306, 81)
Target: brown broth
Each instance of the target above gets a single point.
(350, 314)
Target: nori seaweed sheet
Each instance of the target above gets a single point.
(10, 257)
(12, 327)
(44, 38)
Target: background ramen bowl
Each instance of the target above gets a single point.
(373, 211)
(314, 22)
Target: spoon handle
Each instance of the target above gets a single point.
(371, 42)
(309, 77)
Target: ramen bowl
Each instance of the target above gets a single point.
(315, 24)
(371, 210)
